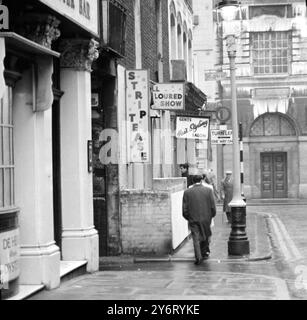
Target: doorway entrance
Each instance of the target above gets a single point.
(274, 183)
(56, 155)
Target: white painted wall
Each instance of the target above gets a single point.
(179, 225)
(204, 47)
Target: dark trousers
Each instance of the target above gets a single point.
(201, 245)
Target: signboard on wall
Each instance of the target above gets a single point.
(192, 128)
(81, 12)
(221, 137)
(168, 96)
(214, 75)
(137, 106)
(9, 256)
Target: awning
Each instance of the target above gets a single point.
(195, 98)
(15, 41)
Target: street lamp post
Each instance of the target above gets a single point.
(238, 244)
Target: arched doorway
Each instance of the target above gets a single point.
(273, 151)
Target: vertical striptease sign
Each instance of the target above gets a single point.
(137, 106)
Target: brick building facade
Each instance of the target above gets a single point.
(147, 46)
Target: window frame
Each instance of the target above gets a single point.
(271, 49)
(7, 167)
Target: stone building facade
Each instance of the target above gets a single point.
(271, 79)
(46, 214)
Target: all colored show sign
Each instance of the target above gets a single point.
(192, 128)
(137, 105)
(169, 96)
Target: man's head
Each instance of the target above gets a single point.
(197, 179)
(184, 168)
(228, 173)
(205, 178)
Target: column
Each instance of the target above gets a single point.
(80, 239)
(32, 102)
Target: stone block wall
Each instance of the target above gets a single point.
(146, 222)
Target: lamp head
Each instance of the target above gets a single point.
(228, 9)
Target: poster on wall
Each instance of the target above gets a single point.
(137, 105)
(9, 256)
(169, 96)
(192, 128)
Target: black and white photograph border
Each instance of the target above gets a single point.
(152, 153)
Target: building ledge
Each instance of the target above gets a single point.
(14, 40)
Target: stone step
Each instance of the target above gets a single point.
(72, 269)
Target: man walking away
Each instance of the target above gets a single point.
(226, 194)
(198, 208)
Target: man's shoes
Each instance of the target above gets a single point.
(206, 255)
(198, 262)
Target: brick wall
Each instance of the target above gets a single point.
(149, 37)
(146, 222)
(129, 60)
(143, 223)
(166, 42)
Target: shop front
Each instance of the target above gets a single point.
(46, 198)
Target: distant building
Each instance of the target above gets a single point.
(272, 96)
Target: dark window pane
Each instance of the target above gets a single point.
(117, 20)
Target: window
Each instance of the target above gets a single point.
(114, 25)
(271, 52)
(6, 151)
(281, 11)
(272, 124)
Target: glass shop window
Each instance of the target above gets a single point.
(6, 151)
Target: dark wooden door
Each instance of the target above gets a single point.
(274, 175)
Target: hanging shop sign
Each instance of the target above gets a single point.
(169, 96)
(81, 12)
(192, 128)
(221, 137)
(137, 105)
(9, 256)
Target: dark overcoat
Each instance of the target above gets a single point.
(198, 207)
(227, 192)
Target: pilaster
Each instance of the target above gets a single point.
(79, 238)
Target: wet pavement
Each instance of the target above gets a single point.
(274, 270)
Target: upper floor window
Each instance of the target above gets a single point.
(281, 11)
(271, 52)
(114, 25)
